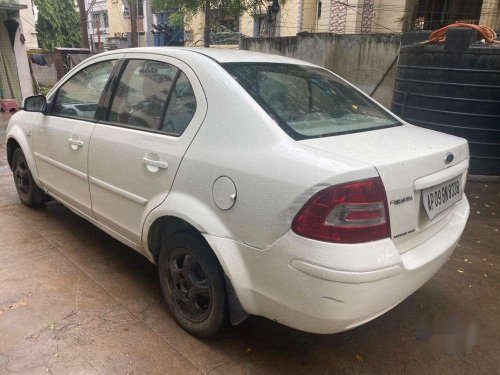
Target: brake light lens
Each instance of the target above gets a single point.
(353, 212)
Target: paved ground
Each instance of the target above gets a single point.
(75, 301)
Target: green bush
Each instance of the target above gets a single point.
(45, 90)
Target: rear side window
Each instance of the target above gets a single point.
(309, 102)
(142, 93)
(181, 107)
(79, 96)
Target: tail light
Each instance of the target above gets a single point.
(353, 212)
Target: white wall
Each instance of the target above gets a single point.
(23, 68)
(27, 20)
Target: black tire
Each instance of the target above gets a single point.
(192, 282)
(27, 190)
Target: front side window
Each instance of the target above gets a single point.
(309, 102)
(79, 96)
(181, 107)
(142, 93)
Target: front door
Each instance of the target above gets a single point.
(62, 137)
(154, 112)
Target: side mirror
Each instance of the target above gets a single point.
(36, 103)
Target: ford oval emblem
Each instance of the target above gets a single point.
(448, 158)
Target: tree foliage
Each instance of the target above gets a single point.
(185, 9)
(58, 24)
(221, 17)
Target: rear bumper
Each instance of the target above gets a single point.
(325, 288)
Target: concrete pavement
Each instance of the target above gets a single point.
(75, 301)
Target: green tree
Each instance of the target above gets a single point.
(214, 10)
(58, 24)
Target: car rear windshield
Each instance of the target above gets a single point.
(309, 102)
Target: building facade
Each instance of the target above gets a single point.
(15, 77)
(315, 16)
(490, 14)
(119, 23)
(27, 16)
(97, 24)
(354, 17)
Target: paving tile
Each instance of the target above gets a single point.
(276, 361)
(257, 335)
(52, 311)
(204, 353)
(21, 247)
(125, 274)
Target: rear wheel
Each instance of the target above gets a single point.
(29, 193)
(193, 284)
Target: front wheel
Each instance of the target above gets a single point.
(27, 190)
(192, 282)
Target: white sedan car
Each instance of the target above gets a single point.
(259, 184)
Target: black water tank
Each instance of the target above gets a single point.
(453, 87)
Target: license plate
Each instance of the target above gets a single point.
(438, 198)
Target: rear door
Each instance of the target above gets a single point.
(155, 109)
(62, 137)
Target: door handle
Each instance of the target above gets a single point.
(75, 144)
(155, 164)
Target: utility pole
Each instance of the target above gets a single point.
(133, 23)
(148, 22)
(240, 31)
(91, 37)
(83, 23)
(206, 30)
(98, 25)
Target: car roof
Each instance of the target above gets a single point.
(221, 55)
